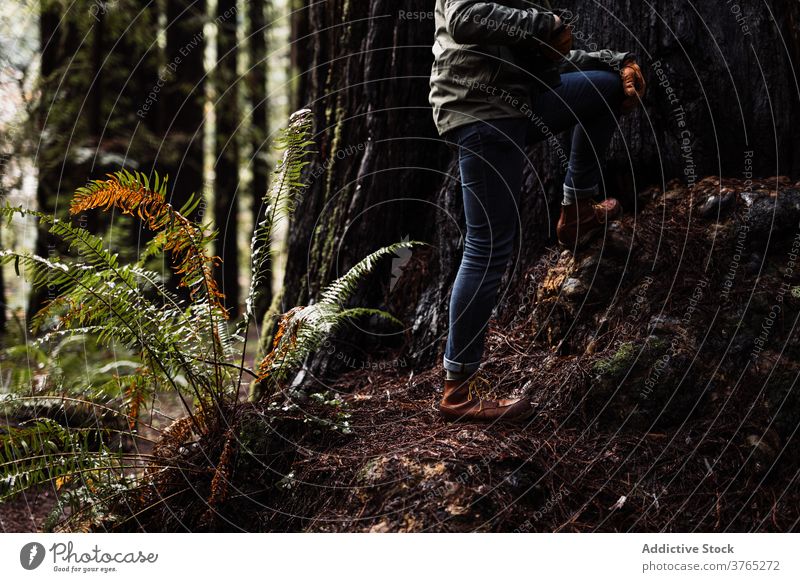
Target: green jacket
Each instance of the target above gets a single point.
(487, 62)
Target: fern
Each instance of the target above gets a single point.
(302, 330)
(103, 295)
(280, 201)
(130, 193)
(164, 343)
(46, 451)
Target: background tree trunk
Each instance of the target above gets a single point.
(181, 152)
(300, 56)
(259, 123)
(60, 43)
(381, 174)
(4, 159)
(226, 151)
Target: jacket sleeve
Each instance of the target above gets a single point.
(604, 60)
(477, 22)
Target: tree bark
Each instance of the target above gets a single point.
(381, 174)
(182, 114)
(4, 159)
(259, 126)
(300, 56)
(226, 151)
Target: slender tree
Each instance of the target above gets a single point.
(183, 97)
(58, 120)
(226, 151)
(257, 82)
(3, 162)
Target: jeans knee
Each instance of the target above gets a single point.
(487, 253)
(607, 85)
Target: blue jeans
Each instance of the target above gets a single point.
(491, 161)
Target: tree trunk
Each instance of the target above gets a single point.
(300, 56)
(4, 159)
(381, 174)
(226, 151)
(181, 153)
(58, 123)
(375, 177)
(259, 126)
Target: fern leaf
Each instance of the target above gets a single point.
(130, 194)
(340, 290)
(280, 199)
(302, 330)
(44, 451)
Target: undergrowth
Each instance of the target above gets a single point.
(154, 342)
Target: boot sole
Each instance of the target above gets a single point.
(500, 419)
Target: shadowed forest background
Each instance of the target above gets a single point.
(165, 369)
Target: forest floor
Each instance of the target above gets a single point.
(27, 512)
(662, 362)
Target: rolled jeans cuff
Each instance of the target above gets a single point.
(572, 194)
(452, 366)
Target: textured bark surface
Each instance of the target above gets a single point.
(181, 115)
(226, 155)
(259, 131)
(381, 174)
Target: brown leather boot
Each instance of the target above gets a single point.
(461, 402)
(580, 222)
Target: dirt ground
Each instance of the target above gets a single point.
(28, 512)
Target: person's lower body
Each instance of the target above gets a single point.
(594, 100)
(491, 162)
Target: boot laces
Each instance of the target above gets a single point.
(472, 388)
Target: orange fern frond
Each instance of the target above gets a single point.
(131, 194)
(222, 473)
(135, 395)
(287, 324)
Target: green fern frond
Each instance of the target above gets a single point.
(303, 330)
(120, 314)
(131, 194)
(44, 451)
(280, 201)
(340, 290)
(361, 312)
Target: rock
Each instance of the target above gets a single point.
(618, 240)
(587, 268)
(748, 197)
(574, 289)
(773, 214)
(660, 325)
